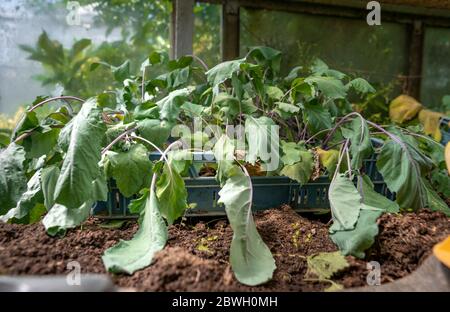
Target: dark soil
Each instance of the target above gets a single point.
(196, 258)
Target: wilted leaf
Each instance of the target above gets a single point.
(80, 166)
(223, 71)
(345, 203)
(170, 105)
(371, 198)
(154, 130)
(172, 194)
(49, 177)
(262, 136)
(431, 123)
(317, 117)
(326, 264)
(250, 257)
(60, 218)
(12, 176)
(328, 159)
(137, 253)
(361, 146)
(403, 108)
(132, 169)
(360, 85)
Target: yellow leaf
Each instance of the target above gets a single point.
(442, 251)
(430, 121)
(403, 108)
(447, 156)
(328, 159)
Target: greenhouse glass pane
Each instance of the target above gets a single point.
(207, 32)
(436, 67)
(378, 53)
(38, 55)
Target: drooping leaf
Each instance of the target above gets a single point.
(355, 242)
(60, 218)
(137, 206)
(224, 155)
(155, 131)
(132, 169)
(80, 168)
(223, 71)
(262, 138)
(401, 166)
(29, 199)
(137, 253)
(345, 203)
(40, 142)
(172, 194)
(361, 146)
(326, 264)
(371, 198)
(49, 177)
(403, 108)
(250, 258)
(170, 105)
(12, 176)
(434, 201)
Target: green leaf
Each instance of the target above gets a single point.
(223, 71)
(250, 257)
(274, 93)
(170, 105)
(137, 206)
(60, 218)
(355, 242)
(299, 162)
(360, 85)
(224, 155)
(12, 176)
(435, 202)
(132, 169)
(371, 198)
(401, 165)
(172, 194)
(441, 181)
(262, 136)
(345, 203)
(29, 199)
(287, 108)
(361, 146)
(80, 166)
(267, 57)
(122, 72)
(137, 253)
(326, 264)
(317, 117)
(40, 143)
(155, 131)
(192, 110)
(329, 86)
(100, 186)
(49, 177)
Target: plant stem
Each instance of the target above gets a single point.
(107, 148)
(63, 97)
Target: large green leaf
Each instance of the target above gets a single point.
(329, 86)
(155, 131)
(41, 142)
(434, 201)
(317, 117)
(299, 162)
(132, 169)
(224, 155)
(360, 85)
(29, 199)
(80, 166)
(345, 203)
(400, 166)
(223, 71)
(172, 194)
(169, 107)
(60, 218)
(371, 198)
(12, 176)
(250, 257)
(361, 146)
(137, 253)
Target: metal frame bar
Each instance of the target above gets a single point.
(416, 19)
